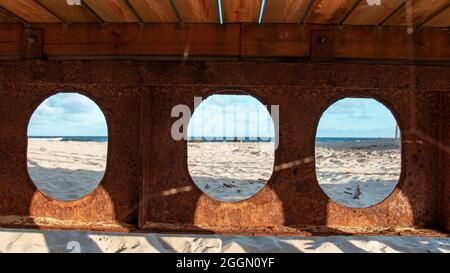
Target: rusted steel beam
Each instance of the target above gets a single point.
(137, 97)
(445, 161)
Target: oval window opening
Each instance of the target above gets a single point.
(231, 147)
(358, 152)
(67, 146)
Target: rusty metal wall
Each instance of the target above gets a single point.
(445, 161)
(137, 98)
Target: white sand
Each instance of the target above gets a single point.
(371, 167)
(353, 174)
(59, 167)
(12, 241)
(66, 170)
(230, 171)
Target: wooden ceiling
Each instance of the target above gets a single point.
(428, 13)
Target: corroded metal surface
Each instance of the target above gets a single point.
(445, 161)
(137, 98)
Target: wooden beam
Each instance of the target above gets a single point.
(365, 14)
(155, 11)
(275, 40)
(198, 11)
(133, 10)
(441, 19)
(329, 11)
(172, 40)
(246, 40)
(29, 10)
(351, 42)
(32, 43)
(285, 11)
(11, 37)
(392, 43)
(69, 14)
(236, 11)
(8, 17)
(112, 11)
(415, 12)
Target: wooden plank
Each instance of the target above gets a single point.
(135, 40)
(11, 40)
(392, 43)
(198, 11)
(275, 40)
(329, 11)
(28, 10)
(32, 43)
(366, 14)
(363, 43)
(112, 11)
(285, 11)
(241, 10)
(349, 42)
(155, 11)
(415, 12)
(440, 20)
(70, 14)
(6, 17)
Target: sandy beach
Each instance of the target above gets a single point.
(353, 174)
(229, 172)
(66, 170)
(12, 241)
(358, 174)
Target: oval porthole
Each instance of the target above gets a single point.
(231, 147)
(358, 152)
(67, 146)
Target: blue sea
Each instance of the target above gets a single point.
(258, 139)
(350, 139)
(211, 139)
(72, 138)
(229, 139)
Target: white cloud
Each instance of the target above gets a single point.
(231, 116)
(68, 114)
(357, 117)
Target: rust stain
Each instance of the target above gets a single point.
(145, 189)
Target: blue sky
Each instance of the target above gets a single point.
(68, 114)
(231, 116)
(72, 114)
(357, 117)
